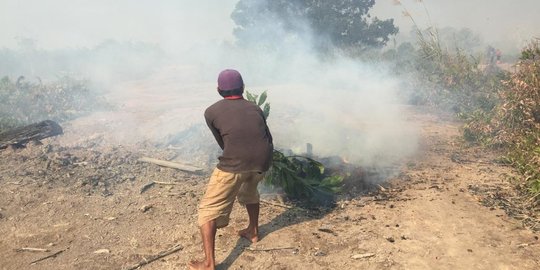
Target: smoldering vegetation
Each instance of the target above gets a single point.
(64, 84)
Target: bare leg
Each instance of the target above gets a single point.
(251, 233)
(208, 233)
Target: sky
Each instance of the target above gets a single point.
(173, 24)
(181, 24)
(500, 22)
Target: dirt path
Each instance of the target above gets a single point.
(62, 199)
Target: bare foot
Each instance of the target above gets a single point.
(249, 234)
(197, 265)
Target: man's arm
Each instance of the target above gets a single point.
(269, 134)
(215, 132)
(266, 127)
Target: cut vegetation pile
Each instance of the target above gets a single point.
(300, 177)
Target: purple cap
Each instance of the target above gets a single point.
(230, 79)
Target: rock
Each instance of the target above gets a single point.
(102, 251)
(145, 208)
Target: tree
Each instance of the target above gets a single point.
(464, 39)
(343, 24)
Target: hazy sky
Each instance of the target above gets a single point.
(75, 23)
(183, 23)
(498, 21)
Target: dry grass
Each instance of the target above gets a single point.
(23, 102)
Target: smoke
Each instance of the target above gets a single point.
(342, 107)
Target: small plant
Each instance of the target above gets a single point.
(299, 176)
(260, 100)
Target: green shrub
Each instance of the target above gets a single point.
(516, 123)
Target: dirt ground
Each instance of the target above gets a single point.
(83, 199)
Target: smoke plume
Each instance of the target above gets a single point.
(158, 63)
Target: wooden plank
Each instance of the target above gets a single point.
(170, 164)
(32, 132)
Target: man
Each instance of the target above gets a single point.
(240, 130)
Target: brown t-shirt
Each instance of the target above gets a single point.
(241, 131)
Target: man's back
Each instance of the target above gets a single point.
(241, 131)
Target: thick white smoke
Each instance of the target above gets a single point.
(342, 107)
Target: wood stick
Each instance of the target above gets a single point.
(363, 256)
(269, 249)
(533, 198)
(32, 249)
(156, 257)
(47, 257)
(166, 183)
(276, 204)
(146, 187)
(170, 164)
(151, 184)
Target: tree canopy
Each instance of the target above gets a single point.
(343, 24)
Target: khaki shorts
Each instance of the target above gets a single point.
(223, 188)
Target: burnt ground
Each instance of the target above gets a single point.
(451, 206)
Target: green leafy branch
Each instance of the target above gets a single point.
(260, 100)
(299, 176)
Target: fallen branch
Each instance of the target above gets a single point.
(526, 244)
(151, 184)
(47, 257)
(156, 257)
(533, 198)
(147, 186)
(327, 230)
(32, 249)
(269, 249)
(276, 204)
(166, 183)
(362, 256)
(170, 164)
